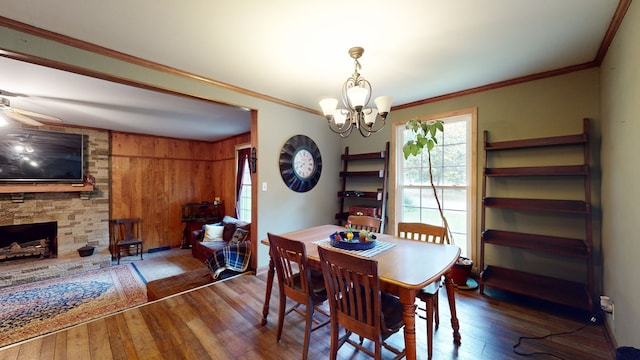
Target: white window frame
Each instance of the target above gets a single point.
(470, 245)
(247, 174)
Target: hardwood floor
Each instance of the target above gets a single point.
(223, 321)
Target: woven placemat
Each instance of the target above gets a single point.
(377, 249)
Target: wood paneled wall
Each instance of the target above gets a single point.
(151, 177)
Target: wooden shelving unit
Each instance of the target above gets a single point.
(361, 172)
(577, 294)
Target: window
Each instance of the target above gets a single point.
(243, 204)
(453, 168)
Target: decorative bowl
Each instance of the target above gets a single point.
(86, 250)
(351, 245)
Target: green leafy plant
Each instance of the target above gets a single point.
(426, 137)
(426, 132)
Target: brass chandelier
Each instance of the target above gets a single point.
(356, 93)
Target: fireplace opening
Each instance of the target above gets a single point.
(36, 241)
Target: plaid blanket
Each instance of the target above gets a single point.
(232, 257)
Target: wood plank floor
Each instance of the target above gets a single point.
(223, 321)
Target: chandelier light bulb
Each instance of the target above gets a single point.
(340, 117)
(328, 106)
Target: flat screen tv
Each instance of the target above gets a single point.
(29, 155)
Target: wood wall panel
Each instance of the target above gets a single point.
(151, 177)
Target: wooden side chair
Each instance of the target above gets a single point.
(429, 295)
(362, 222)
(299, 283)
(125, 235)
(358, 305)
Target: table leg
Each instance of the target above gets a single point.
(408, 300)
(448, 281)
(267, 296)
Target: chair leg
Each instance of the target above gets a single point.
(430, 306)
(281, 310)
(307, 331)
(335, 340)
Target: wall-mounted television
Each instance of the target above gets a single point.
(30, 155)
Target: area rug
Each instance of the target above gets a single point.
(41, 307)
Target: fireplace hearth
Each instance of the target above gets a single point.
(23, 241)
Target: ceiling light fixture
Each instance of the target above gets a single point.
(356, 93)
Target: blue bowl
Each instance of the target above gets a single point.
(351, 245)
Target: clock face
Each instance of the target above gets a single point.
(303, 163)
(300, 163)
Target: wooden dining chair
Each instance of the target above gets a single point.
(363, 222)
(358, 305)
(429, 295)
(126, 234)
(299, 283)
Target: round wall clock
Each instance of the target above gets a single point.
(300, 163)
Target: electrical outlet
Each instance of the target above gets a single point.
(607, 305)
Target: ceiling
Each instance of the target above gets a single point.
(296, 52)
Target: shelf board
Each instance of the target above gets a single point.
(561, 170)
(546, 288)
(545, 205)
(548, 244)
(578, 139)
(374, 173)
(376, 155)
(366, 195)
(42, 188)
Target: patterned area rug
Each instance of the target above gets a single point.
(41, 307)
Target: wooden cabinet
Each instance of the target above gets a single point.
(547, 157)
(364, 179)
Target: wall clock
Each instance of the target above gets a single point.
(300, 163)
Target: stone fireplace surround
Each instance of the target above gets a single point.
(79, 221)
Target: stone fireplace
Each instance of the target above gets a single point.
(79, 221)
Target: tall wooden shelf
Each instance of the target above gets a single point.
(577, 294)
(361, 172)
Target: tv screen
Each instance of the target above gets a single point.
(37, 155)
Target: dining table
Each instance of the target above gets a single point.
(404, 266)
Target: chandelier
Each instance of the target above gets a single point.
(356, 93)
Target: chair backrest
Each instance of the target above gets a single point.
(353, 290)
(290, 260)
(127, 229)
(362, 222)
(422, 232)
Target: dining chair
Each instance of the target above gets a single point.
(363, 222)
(299, 283)
(429, 294)
(126, 234)
(358, 305)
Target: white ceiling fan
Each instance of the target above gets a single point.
(24, 116)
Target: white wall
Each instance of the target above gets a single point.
(620, 99)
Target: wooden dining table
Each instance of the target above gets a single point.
(404, 270)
